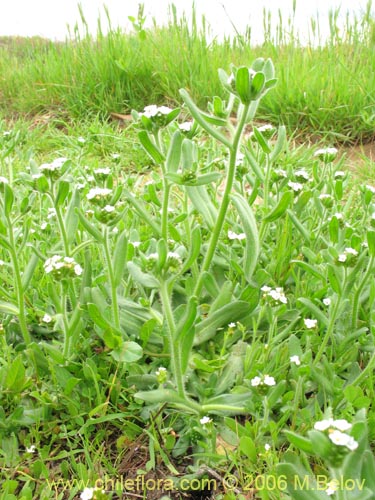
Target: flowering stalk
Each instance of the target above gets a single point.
(18, 284)
(111, 276)
(233, 149)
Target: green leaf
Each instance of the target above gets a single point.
(285, 201)
(247, 447)
(150, 148)
(29, 271)
(62, 192)
(195, 248)
(371, 242)
(202, 203)
(333, 228)
(90, 228)
(257, 85)
(243, 86)
(251, 231)
(129, 352)
(8, 199)
(119, 258)
(300, 442)
(320, 443)
(280, 144)
(233, 311)
(8, 308)
(309, 269)
(15, 377)
(174, 152)
(304, 232)
(262, 141)
(142, 278)
(71, 217)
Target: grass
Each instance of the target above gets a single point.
(326, 90)
(137, 370)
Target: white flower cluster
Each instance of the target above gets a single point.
(302, 175)
(336, 432)
(153, 110)
(264, 380)
(295, 186)
(88, 493)
(98, 193)
(185, 126)
(3, 180)
(62, 266)
(102, 171)
(53, 167)
(205, 420)
(310, 323)
(234, 236)
(326, 154)
(276, 294)
(343, 257)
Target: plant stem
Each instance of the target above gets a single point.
(115, 309)
(224, 202)
(174, 345)
(18, 286)
(329, 331)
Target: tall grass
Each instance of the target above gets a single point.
(324, 87)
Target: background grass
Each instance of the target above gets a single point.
(323, 89)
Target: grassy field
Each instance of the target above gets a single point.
(322, 89)
(187, 298)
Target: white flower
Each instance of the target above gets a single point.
(161, 370)
(2, 262)
(342, 425)
(43, 226)
(269, 380)
(232, 325)
(267, 447)
(47, 318)
(370, 188)
(351, 251)
(326, 152)
(338, 215)
(153, 110)
(327, 301)
(186, 126)
(310, 323)
(323, 425)
(55, 165)
(97, 193)
(266, 127)
(205, 420)
(78, 270)
(234, 236)
(136, 244)
(341, 439)
(87, 494)
(256, 381)
(295, 359)
(102, 171)
(81, 140)
(31, 449)
(115, 156)
(115, 230)
(296, 186)
(332, 487)
(342, 257)
(109, 209)
(278, 296)
(266, 289)
(339, 173)
(302, 173)
(3, 180)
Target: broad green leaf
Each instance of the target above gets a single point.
(233, 311)
(174, 152)
(90, 228)
(280, 144)
(202, 203)
(15, 375)
(247, 447)
(142, 278)
(301, 228)
(129, 352)
(371, 242)
(309, 269)
(71, 217)
(299, 442)
(195, 248)
(262, 141)
(62, 192)
(119, 258)
(150, 148)
(29, 271)
(9, 308)
(284, 203)
(243, 86)
(301, 485)
(251, 231)
(8, 199)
